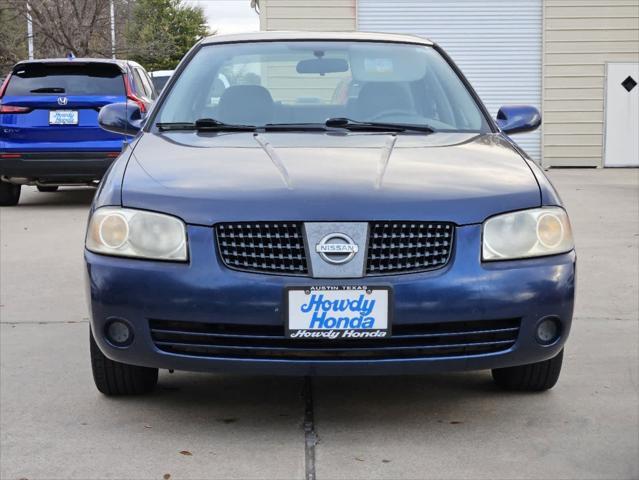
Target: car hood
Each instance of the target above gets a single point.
(205, 178)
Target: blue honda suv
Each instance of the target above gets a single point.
(268, 223)
(49, 132)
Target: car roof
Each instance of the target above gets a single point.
(64, 61)
(339, 36)
(161, 73)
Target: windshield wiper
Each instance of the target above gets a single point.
(165, 127)
(48, 90)
(204, 125)
(284, 127)
(212, 124)
(354, 125)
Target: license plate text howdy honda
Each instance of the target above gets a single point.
(338, 312)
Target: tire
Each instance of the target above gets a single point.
(9, 194)
(115, 379)
(535, 377)
(47, 189)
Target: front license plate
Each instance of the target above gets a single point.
(63, 117)
(332, 313)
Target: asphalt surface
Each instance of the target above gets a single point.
(54, 424)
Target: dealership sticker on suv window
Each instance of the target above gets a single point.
(331, 313)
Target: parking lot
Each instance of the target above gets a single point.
(54, 424)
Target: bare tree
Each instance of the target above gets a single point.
(13, 37)
(81, 27)
(156, 33)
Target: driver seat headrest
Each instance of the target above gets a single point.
(246, 104)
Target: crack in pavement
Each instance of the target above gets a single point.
(310, 437)
(34, 322)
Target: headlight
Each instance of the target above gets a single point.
(528, 233)
(136, 233)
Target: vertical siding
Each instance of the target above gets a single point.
(580, 37)
(496, 43)
(283, 82)
(324, 15)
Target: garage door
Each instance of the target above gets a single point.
(497, 44)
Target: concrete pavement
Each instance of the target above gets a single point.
(54, 424)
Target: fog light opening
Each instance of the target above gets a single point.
(548, 330)
(119, 333)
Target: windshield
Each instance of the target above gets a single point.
(308, 82)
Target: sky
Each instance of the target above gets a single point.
(229, 16)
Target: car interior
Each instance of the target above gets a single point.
(253, 104)
(312, 90)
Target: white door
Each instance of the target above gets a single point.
(622, 115)
(496, 43)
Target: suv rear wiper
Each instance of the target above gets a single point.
(204, 125)
(349, 124)
(47, 90)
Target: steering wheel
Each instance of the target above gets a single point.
(389, 113)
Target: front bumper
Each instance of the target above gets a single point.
(205, 291)
(57, 167)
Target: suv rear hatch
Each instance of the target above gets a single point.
(54, 106)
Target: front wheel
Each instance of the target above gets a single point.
(47, 189)
(9, 194)
(534, 377)
(114, 378)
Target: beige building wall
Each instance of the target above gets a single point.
(314, 15)
(580, 37)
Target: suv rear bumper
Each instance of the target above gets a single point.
(57, 167)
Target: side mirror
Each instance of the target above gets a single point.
(518, 118)
(123, 118)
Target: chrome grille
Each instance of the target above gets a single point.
(425, 340)
(263, 247)
(400, 247)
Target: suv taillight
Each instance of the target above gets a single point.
(13, 109)
(131, 96)
(4, 85)
(10, 108)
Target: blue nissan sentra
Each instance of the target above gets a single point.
(325, 204)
